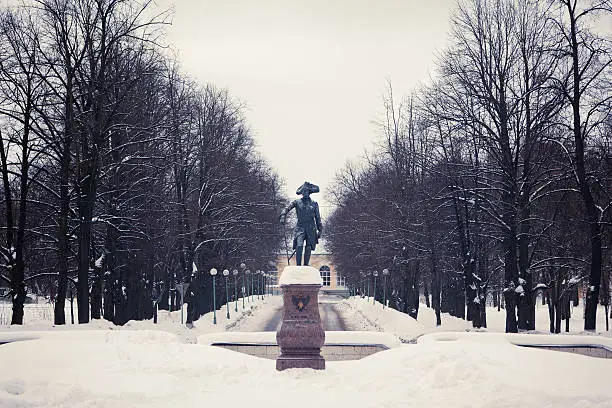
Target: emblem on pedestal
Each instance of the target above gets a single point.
(300, 302)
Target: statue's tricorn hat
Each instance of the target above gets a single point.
(311, 188)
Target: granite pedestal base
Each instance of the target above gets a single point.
(301, 334)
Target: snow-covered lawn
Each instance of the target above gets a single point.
(147, 365)
(39, 317)
(144, 368)
(374, 317)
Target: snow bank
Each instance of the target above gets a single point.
(149, 369)
(386, 320)
(361, 314)
(39, 318)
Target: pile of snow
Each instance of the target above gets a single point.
(254, 314)
(372, 316)
(151, 369)
(300, 275)
(363, 314)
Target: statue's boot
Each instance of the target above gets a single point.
(298, 255)
(307, 255)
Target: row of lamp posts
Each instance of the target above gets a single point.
(365, 285)
(262, 284)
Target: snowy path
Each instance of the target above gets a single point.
(331, 319)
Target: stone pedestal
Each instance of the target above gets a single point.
(301, 334)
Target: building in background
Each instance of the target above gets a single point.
(333, 281)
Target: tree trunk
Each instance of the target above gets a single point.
(83, 267)
(551, 311)
(62, 234)
(64, 195)
(592, 214)
(96, 295)
(436, 296)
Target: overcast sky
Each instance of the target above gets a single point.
(311, 72)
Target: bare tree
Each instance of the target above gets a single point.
(24, 90)
(589, 62)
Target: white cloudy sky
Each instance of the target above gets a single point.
(311, 72)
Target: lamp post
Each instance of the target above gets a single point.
(262, 281)
(248, 274)
(270, 284)
(226, 274)
(257, 284)
(385, 273)
(235, 273)
(213, 272)
(253, 288)
(242, 266)
(362, 273)
(368, 283)
(271, 268)
(375, 273)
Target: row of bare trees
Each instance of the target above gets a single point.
(494, 180)
(119, 173)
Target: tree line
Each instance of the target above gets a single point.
(121, 175)
(494, 181)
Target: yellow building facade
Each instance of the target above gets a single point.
(332, 279)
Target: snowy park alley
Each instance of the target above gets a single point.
(142, 364)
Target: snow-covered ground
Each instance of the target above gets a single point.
(144, 368)
(147, 365)
(366, 315)
(39, 318)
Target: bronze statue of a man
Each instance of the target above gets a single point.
(308, 229)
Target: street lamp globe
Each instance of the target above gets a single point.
(235, 272)
(375, 273)
(242, 266)
(225, 272)
(213, 271)
(385, 271)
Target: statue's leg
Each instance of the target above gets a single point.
(307, 254)
(298, 255)
(299, 241)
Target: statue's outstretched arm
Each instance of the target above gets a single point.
(283, 214)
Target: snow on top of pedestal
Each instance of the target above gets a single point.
(300, 275)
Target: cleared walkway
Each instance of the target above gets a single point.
(331, 319)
